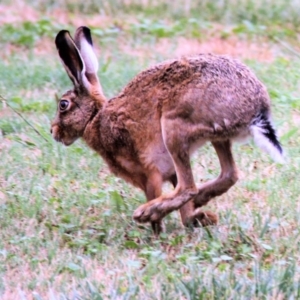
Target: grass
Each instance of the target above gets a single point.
(229, 11)
(66, 225)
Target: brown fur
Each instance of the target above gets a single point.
(147, 133)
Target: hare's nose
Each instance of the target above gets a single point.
(51, 130)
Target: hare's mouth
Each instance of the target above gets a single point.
(60, 137)
(67, 142)
(64, 140)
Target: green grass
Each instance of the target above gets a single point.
(277, 20)
(66, 223)
(228, 11)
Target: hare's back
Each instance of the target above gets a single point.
(216, 92)
(204, 72)
(205, 88)
(226, 92)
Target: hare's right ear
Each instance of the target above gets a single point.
(70, 57)
(83, 41)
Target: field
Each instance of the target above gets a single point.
(66, 227)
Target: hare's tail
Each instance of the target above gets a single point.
(265, 136)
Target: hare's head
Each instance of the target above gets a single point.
(78, 106)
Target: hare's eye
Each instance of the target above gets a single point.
(63, 104)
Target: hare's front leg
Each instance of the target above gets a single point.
(185, 190)
(153, 190)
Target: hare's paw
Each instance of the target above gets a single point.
(151, 211)
(205, 218)
(157, 227)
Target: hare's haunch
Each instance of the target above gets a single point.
(147, 133)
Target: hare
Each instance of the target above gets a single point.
(147, 133)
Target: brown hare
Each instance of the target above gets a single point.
(147, 133)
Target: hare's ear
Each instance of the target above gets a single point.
(83, 41)
(70, 57)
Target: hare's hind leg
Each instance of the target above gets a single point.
(209, 190)
(188, 216)
(227, 178)
(185, 190)
(217, 187)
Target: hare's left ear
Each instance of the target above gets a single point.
(70, 56)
